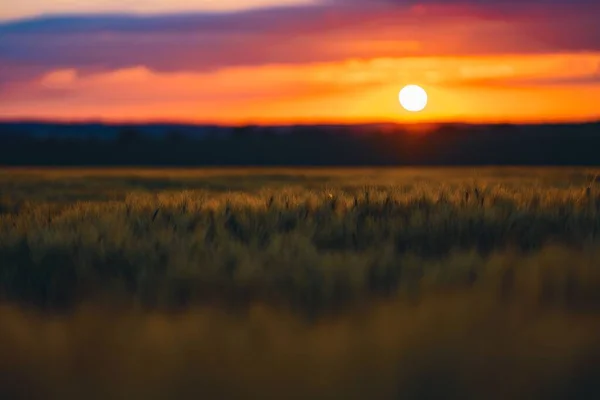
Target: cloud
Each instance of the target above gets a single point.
(330, 31)
(525, 72)
(234, 94)
(520, 87)
(27, 8)
(277, 81)
(139, 85)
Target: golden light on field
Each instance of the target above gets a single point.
(413, 98)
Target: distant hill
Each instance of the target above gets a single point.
(39, 143)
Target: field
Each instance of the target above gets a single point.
(314, 283)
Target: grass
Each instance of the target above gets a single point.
(309, 239)
(451, 347)
(332, 284)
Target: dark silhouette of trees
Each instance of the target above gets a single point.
(306, 145)
(175, 137)
(128, 136)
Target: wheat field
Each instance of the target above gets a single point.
(299, 283)
(310, 238)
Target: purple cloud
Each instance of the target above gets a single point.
(298, 34)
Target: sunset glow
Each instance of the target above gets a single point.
(321, 61)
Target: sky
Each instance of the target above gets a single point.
(299, 61)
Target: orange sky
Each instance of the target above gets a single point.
(348, 77)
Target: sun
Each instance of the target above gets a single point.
(413, 98)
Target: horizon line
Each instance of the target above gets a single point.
(115, 122)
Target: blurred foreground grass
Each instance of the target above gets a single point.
(455, 346)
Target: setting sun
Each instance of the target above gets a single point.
(413, 98)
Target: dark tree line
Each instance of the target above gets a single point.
(319, 146)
